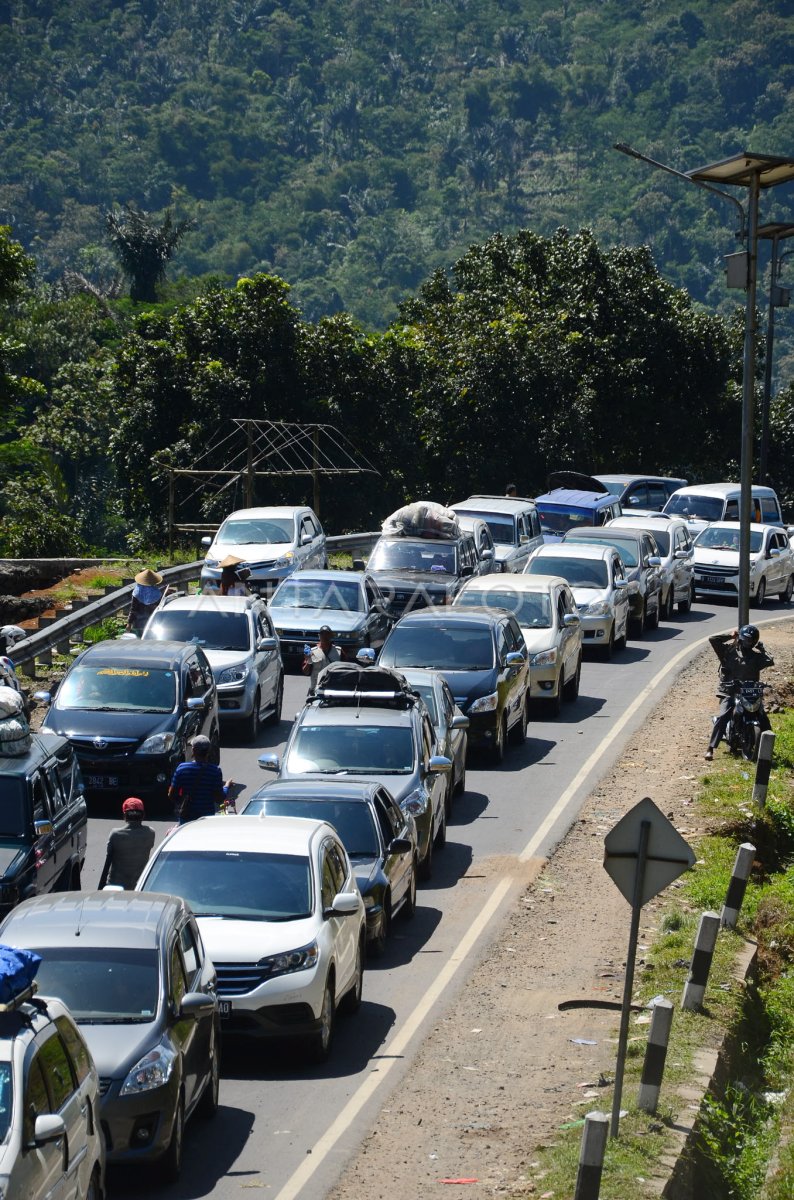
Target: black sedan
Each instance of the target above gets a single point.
(379, 837)
(349, 603)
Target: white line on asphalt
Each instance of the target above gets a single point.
(393, 1052)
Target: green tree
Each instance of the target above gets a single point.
(144, 247)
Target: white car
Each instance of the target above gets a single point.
(270, 542)
(50, 1135)
(546, 611)
(597, 577)
(717, 562)
(674, 541)
(280, 915)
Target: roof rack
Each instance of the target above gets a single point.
(485, 496)
(351, 684)
(21, 998)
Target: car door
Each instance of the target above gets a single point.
(268, 668)
(511, 641)
(378, 621)
(38, 1171)
(436, 785)
(69, 1102)
(485, 549)
(396, 866)
(182, 1032)
(48, 862)
(651, 550)
(522, 541)
(455, 738)
(63, 842)
(88, 1099)
(565, 644)
(620, 595)
(198, 1053)
(74, 799)
(336, 878)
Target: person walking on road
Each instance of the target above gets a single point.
(146, 595)
(317, 659)
(129, 847)
(742, 659)
(197, 788)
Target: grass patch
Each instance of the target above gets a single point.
(111, 627)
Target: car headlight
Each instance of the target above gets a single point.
(284, 560)
(151, 1071)
(485, 703)
(301, 959)
(599, 608)
(415, 802)
(233, 675)
(544, 658)
(158, 743)
(211, 562)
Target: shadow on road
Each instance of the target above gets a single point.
(407, 938)
(467, 808)
(573, 714)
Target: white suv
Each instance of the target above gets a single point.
(717, 562)
(280, 915)
(50, 1135)
(270, 542)
(237, 636)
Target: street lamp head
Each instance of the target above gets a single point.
(739, 170)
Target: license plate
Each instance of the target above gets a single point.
(102, 781)
(225, 1008)
(708, 578)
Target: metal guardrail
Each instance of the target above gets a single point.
(54, 634)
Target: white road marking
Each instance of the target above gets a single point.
(393, 1052)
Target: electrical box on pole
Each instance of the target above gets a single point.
(737, 269)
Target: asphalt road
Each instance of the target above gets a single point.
(286, 1128)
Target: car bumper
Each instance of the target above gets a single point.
(138, 1128)
(261, 581)
(146, 776)
(235, 702)
(482, 729)
(544, 682)
(596, 630)
(287, 1006)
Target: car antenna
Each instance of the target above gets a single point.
(78, 930)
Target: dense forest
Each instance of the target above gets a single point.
(353, 148)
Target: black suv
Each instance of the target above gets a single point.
(420, 572)
(43, 821)
(130, 708)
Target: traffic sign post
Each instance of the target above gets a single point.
(643, 853)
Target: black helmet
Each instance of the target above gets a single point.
(748, 636)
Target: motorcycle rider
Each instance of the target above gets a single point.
(742, 659)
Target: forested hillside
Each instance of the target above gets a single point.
(352, 148)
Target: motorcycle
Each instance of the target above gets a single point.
(743, 732)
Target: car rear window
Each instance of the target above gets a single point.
(529, 608)
(455, 648)
(352, 820)
(13, 809)
(101, 985)
(503, 530)
(237, 885)
(578, 572)
(212, 630)
(355, 748)
(559, 518)
(118, 689)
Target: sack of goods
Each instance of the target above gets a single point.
(423, 519)
(11, 702)
(17, 972)
(14, 729)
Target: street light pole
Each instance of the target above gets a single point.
(775, 232)
(748, 404)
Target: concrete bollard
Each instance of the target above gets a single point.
(763, 767)
(655, 1055)
(706, 940)
(742, 867)
(591, 1156)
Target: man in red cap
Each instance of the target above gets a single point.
(128, 847)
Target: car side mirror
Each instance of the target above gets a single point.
(466, 571)
(682, 554)
(48, 1128)
(774, 552)
(654, 561)
(439, 765)
(306, 539)
(366, 657)
(345, 904)
(487, 555)
(459, 722)
(400, 845)
(43, 697)
(516, 658)
(621, 583)
(266, 643)
(571, 620)
(196, 1004)
(196, 703)
(42, 828)
(269, 762)
(359, 564)
(206, 542)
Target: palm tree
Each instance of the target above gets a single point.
(144, 248)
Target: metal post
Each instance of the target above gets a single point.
(591, 1156)
(706, 940)
(628, 983)
(748, 404)
(655, 1055)
(742, 867)
(249, 466)
(770, 340)
(766, 746)
(315, 471)
(171, 517)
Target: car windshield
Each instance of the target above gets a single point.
(344, 596)
(557, 519)
(354, 749)
(720, 537)
(530, 608)
(118, 689)
(352, 820)
(13, 810)
(503, 529)
(688, 504)
(6, 1099)
(205, 627)
(454, 648)
(250, 530)
(578, 572)
(101, 985)
(393, 554)
(238, 885)
(625, 548)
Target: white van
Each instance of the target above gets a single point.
(703, 503)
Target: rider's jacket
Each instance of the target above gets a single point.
(736, 663)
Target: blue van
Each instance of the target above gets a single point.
(574, 501)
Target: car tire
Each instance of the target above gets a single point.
(275, 716)
(553, 706)
(760, 595)
(75, 882)
(377, 946)
(172, 1159)
(253, 724)
(609, 649)
(207, 1106)
(652, 622)
(319, 1045)
(426, 865)
(448, 794)
(638, 623)
(460, 786)
(685, 606)
(441, 833)
(94, 1191)
(788, 590)
(518, 734)
(408, 909)
(571, 688)
(500, 743)
(351, 1001)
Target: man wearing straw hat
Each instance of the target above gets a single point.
(232, 577)
(146, 595)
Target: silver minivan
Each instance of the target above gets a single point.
(700, 504)
(514, 524)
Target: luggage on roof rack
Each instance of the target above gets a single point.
(17, 976)
(424, 518)
(349, 683)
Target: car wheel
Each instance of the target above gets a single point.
(253, 723)
(498, 748)
(426, 865)
(172, 1159)
(441, 834)
(408, 909)
(75, 882)
(685, 606)
(214, 755)
(319, 1045)
(571, 689)
(554, 704)
(351, 1001)
(448, 793)
(208, 1104)
(788, 590)
(760, 595)
(638, 623)
(460, 786)
(275, 716)
(609, 648)
(377, 946)
(94, 1192)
